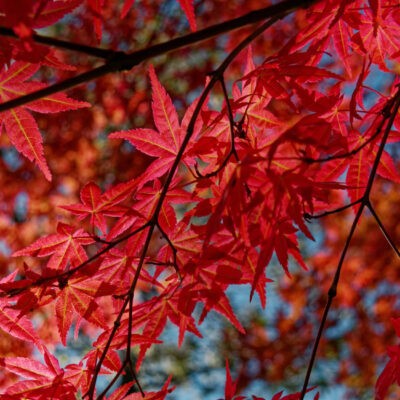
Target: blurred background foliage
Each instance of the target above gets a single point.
(278, 341)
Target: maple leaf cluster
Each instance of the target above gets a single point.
(160, 204)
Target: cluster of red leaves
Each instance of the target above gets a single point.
(359, 325)
(227, 188)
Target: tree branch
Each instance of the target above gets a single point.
(121, 61)
(63, 44)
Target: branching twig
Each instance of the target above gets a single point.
(115, 378)
(383, 229)
(64, 276)
(119, 62)
(335, 211)
(339, 156)
(390, 111)
(232, 150)
(153, 222)
(231, 119)
(173, 249)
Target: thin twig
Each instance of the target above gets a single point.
(173, 249)
(110, 385)
(335, 211)
(383, 229)
(389, 112)
(231, 119)
(232, 150)
(153, 222)
(310, 160)
(331, 295)
(117, 322)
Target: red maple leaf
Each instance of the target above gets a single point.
(42, 380)
(361, 163)
(19, 123)
(25, 14)
(379, 34)
(80, 293)
(64, 247)
(230, 385)
(97, 205)
(187, 7)
(163, 143)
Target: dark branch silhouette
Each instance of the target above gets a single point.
(389, 111)
(124, 62)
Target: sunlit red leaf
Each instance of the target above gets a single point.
(19, 124)
(187, 7)
(64, 247)
(17, 325)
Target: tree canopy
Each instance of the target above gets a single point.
(158, 158)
